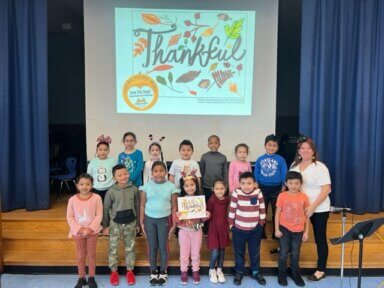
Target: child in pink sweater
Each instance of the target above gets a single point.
(238, 166)
(84, 215)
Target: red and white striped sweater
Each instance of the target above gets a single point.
(247, 209)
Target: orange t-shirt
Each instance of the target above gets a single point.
(292, 207)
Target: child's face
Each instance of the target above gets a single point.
(242, 153)
(129, 142)
(271, 147)
(155, 152)
(186, 152)
(219, 190)
(306, 152)
(189, 187)
(158, 173)
(213, 144)
(294, 185)
(121, 176)
(84, 185)
(247, 185)
(102, 151)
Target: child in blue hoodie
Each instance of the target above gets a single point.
(269, 173)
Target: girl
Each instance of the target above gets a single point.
(158, 199)
(156, 154)
(132, 158)
(317, 186)
(100, 167)
(238, 166)
(218, 230)
(190, 233)
(84, 215)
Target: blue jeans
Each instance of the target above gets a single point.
(217, 255)
(240, 238)
(290, 242)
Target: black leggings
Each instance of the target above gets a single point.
(319, 223)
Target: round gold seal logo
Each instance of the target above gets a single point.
(140, 92)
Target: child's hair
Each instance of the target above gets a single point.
(291, 175)
(158, 146)
(218, 181)
(214, 136)
(118, 167)
(271, 137)
(182, 182)
(84, 176)
(246, 175)
(186, 142)
(158, 163)
(133, 135)
(311, 144)
(242, 145)
(102, 143)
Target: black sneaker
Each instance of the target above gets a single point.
(237, 279)
(163, 278)
(259, 278)
(296, 277)
(81, 283)
(153, 278)
(91, 282)
(275, 251)
(282, 279)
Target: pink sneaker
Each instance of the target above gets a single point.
(196, 277)
(184, 278)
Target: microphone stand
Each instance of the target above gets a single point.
(343, 223)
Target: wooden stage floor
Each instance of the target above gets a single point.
(39, 238)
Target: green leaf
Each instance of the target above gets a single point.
(170, 77)
(233, 31)
(161, 80)
(213, 66)
(181, 47)
(185, 41)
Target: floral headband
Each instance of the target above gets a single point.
(106, 139)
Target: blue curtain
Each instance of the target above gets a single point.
(341, 97)
(24, 159)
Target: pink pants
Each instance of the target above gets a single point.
(86, 248)
(190, 244)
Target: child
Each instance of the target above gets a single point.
(155, 155)
(132, 159)
(238, 166)
(184, 165)
(291, 226)
(121, 206)
(84, 214)
(218, 230)
(246, 220)
(100, 167)
(190, 234)
(158, 199)
(270, 171)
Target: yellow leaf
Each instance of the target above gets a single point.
(208, 32)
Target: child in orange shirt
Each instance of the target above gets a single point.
(291, 227)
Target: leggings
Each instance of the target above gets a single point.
(86, 249)
(319, 223)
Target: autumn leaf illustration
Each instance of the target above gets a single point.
(209, 31)
(151, 19)
(221, 77)
(174, 40)
(213, 66)
(163, 67)
(204, 84)
(233, 88)
(188, 77)
(163, 81)
(233, 31)
(224, 17)
(140, 46)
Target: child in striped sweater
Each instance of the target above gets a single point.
(246, 220)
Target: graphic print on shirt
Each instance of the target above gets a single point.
(293, 213)
(129, 164)
(83, 219)
(101, 174)
(268, 167)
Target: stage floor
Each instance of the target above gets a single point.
(39, 238)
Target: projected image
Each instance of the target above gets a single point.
(184, 61)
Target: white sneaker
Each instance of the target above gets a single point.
(212, 276)
(220, 275)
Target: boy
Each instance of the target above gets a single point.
(291, 226)
(246, 219)
(121, 208)
(184, 165)
(270, 171)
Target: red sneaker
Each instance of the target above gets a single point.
(114, 278)
(131, 277)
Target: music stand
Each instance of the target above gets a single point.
(359, 231)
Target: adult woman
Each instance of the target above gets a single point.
(317, 186)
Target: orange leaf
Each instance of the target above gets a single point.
(144, 42)
(151, 19)
(208, 32)
(161, 68)
(174, 40)
(192, 92)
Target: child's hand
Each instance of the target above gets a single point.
(278, 233)
(208, 214)
(106, 231)
(178, 215)
(81, 231)
(309, 211)
(88, 231)
(230, 227)
(137, 230)
(305, 236)
(171, 231)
